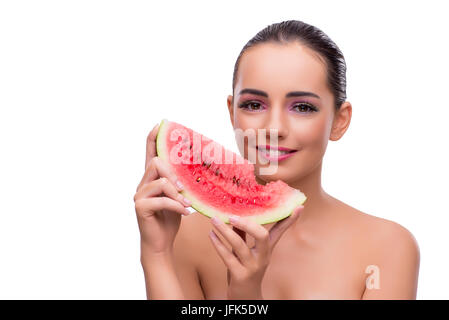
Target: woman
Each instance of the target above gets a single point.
(290, 77)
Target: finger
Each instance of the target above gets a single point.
(151, 145)
(280, 226)
(258, 232)
(159, 168)
(242, 235)
(230, 260)
(239, 247)
(159, 203)
(151, 167)
(158, 187)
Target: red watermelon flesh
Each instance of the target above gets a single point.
(220, 182)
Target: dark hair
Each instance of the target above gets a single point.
(313, 38)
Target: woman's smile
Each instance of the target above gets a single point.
(272, 153)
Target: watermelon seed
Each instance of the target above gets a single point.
(233, 179)
(238, 182)
(190, 147)
(216, 172)
(208, 166)
(198, 179)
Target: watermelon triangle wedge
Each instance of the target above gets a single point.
(220, 182)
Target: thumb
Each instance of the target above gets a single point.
(281, 226)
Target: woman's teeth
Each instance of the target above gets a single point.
(273, 152)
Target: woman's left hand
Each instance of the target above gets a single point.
(246, 266)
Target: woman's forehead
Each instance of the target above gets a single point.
(282, 67)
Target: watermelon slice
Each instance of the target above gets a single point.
(220, 182)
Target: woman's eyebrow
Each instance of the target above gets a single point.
(288, 95)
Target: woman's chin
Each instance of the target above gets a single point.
(265, 175)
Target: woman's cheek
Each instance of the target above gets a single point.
(310, 133)
(245, 121)
(312, 137)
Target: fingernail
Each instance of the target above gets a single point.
(233, 219)
(187, 201)
(179, 184)
(187, 212)
(216, 221)
(212, 235)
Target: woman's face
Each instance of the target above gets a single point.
(303, 122)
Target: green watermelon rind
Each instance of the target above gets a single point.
(295, 199)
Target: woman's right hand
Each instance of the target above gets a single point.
(158, 203)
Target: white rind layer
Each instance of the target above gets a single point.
(296, 198)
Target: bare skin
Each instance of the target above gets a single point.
(333, 251)
(324, 259)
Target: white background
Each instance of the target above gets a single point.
(83, 82)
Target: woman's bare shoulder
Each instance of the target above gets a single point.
(389, 253)
(195, 223)
(193, 236)
(188, 249)
(381, 226)
(376, 232)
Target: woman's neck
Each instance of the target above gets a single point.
(317, 199)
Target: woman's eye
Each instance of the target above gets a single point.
(256, 106)
(304, 106)
(251, 106)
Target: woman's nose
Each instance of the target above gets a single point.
(277, 122)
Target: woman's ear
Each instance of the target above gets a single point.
(230, 101)
(341, 121)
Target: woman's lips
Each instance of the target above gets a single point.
(275, 153)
